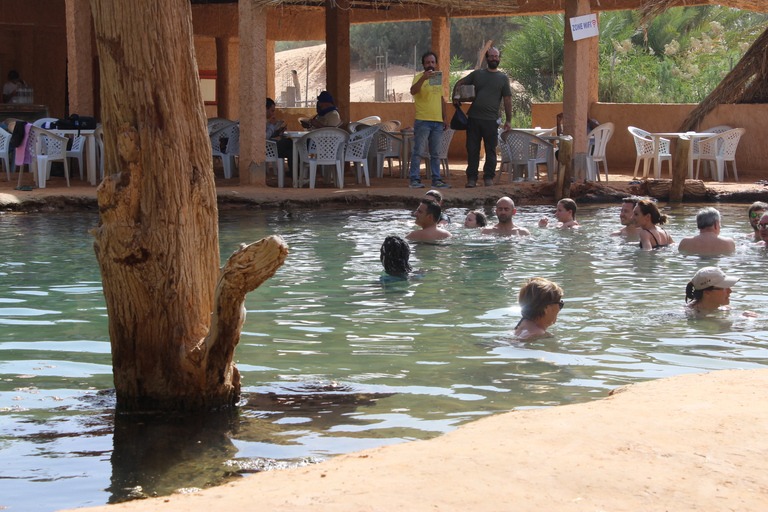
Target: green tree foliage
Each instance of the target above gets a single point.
(533, 55)
(397, 39)
(679, 57)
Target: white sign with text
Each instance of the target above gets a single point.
(584, 26)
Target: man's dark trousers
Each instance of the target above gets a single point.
(487, 131)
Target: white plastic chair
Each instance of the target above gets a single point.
(5, 152)
(370, 120)
(273, 158)
(521, 148)
(644, 147)
(229, 150)
(598, 141)
(721, 149)
(388, 146)
(442, 153)
(98, 136)
(217, 123)
(76, 152)
(49, 147)
(40, 122)
(323, 146)
(356, 151)
(695, 144)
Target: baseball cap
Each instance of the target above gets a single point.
(712, 276)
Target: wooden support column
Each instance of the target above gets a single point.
(80, 58)
(441, 45)
(226, 74)
(338, 54)
(253, 88)
(564, 161)
(680, 170)
(271, 91)
(576, 86)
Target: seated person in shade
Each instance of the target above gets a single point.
(629, 231)
(475, 219)
(710, 291)
(395, 253)
(756, 211)
(591, 123)
(505, 210)
(327, 113)
(565, 213)
(438, 197)
(274, 132)
(708, 242)
(540, 302)
(427, 215)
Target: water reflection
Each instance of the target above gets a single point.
(415, 358)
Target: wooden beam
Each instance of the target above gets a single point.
(338, 54)
(253, 93)
(441, 45)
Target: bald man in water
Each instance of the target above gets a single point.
(505, 210)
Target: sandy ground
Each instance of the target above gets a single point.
(312, 59)
(385, 191)
(692, 442)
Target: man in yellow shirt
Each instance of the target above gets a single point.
(427, 91)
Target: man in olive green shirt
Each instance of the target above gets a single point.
(491, 85)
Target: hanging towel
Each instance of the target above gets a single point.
(22, 152)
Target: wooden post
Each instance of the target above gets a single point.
(337, 53)
(565, 159)
(252, 33)
(441, 44)
(680, 169)
(80, 58)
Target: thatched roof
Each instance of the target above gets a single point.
(746, 83)
(459, 5)
(652, 8)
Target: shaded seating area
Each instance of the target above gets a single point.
(523, 149)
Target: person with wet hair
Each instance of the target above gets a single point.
(627, 220)
(754, 213)
(427, 215)
(540, 302)
(565, 214)
(394, 255)
(708, 242)
(475, 219)
(647, 216)
(438, 197)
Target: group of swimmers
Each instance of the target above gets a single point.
(540, 299)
